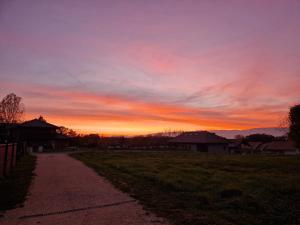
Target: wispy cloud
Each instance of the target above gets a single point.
(141, 66)
(75, 105)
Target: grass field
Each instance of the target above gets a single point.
(13, 189)
(193, 188)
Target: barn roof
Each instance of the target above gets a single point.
(39, 123)
(199, 137)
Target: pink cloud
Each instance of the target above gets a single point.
(65, 103)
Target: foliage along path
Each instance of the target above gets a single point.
(65, 191)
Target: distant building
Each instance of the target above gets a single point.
(239, 146)
(202, 141)
(39, 135)
(256, 146)
(245, 147)
(280, 148)
(283, 147)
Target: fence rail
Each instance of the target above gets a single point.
(8, 155)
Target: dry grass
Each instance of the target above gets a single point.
(195, 188)
(13, 189)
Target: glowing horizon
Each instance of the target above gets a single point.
(139, 67)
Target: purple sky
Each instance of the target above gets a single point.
(128, 67)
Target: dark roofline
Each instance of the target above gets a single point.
(199, 137)
(37, 123)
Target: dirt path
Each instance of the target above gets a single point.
(67, 192)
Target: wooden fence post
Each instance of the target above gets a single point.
(12, 156)
(5, 172)
(2, 149)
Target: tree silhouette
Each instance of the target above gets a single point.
(294, 119)
(11, 109)
(67, 131)
(260, 137)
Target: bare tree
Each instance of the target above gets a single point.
(67, 131)
(11, 109)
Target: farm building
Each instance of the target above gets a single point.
(245, 147)
(280, 148)
(202, 141)
(39, 135)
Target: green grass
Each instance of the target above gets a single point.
(194, 188)
(13, 189)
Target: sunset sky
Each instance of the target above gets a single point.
(140, 66)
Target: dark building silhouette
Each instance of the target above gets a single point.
(202, 141)
(39, 135)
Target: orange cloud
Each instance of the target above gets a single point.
(113, 114)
